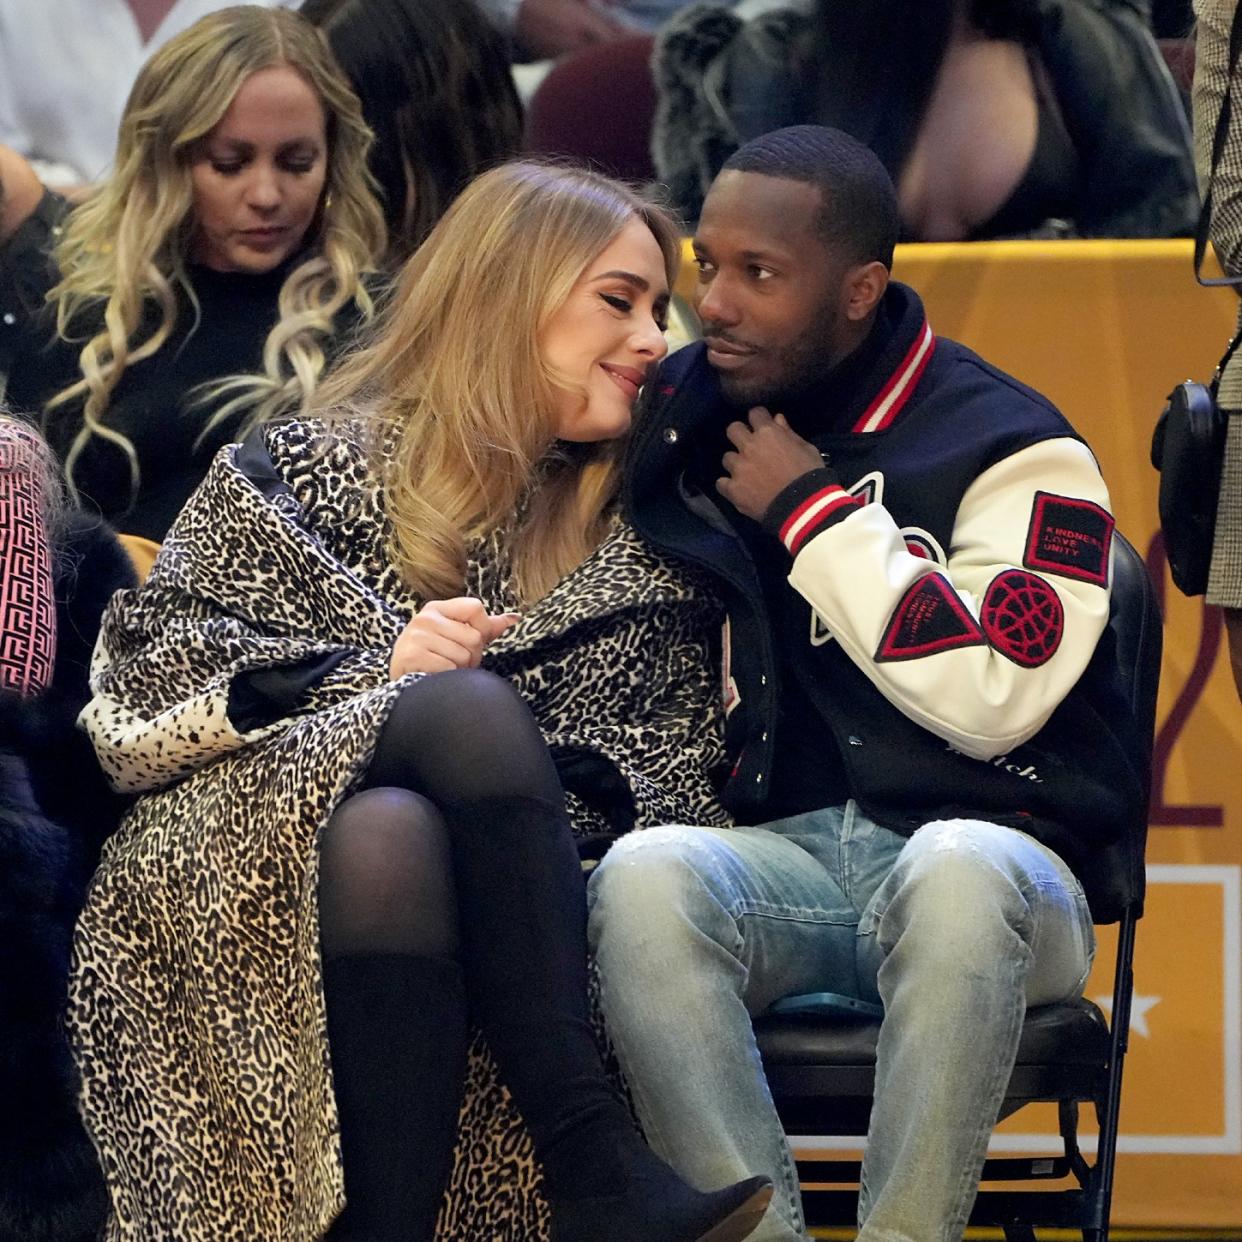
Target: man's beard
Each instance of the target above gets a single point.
(800, 368)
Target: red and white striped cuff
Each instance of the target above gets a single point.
(806, 507)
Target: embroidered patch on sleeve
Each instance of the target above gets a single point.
(1069, 536)
(930, 618)
(1023, 617)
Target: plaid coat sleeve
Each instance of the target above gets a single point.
(1215, 18)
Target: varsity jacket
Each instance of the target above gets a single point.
(954, 557)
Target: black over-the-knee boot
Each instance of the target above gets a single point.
(396, 1010)
(469, 744)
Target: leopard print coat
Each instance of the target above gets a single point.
(196, 1006)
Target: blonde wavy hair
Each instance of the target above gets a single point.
(127, 245)
(461, 404)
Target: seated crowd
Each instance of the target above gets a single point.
(463, 584)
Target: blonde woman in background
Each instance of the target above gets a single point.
(376, 651)
(233, 237)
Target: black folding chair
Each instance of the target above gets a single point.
(822, 1070)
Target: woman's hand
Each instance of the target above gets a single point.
(447, 634)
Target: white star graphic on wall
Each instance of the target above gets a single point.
(1139, 1006)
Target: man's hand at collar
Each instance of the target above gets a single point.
(768, 456)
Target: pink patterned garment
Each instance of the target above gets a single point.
(27, 607)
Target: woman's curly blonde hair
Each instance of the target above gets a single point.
(127, 245)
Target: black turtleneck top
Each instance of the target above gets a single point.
(154, 406)
(807, 773)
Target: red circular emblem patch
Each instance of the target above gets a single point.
(1023, 617)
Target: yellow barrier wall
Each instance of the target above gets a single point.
(1106, 329)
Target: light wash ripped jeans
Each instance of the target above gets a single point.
(957, 930)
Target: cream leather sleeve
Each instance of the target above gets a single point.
(981, 650)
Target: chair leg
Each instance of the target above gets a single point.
(1067, 1112)
(1100, 1193)
(1019, 1231)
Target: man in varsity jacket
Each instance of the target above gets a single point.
(914, 552)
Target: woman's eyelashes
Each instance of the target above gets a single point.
(625, 306)
(297, 164)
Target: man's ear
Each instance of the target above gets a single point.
(864, 287)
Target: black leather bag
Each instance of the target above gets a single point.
(1187, 448)
(1188, 444)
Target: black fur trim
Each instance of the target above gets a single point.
(51, 1189)
(55, 812)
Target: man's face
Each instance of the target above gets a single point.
(771, 293)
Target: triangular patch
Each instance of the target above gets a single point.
(869, 489)
(930, 618)
(820, 633)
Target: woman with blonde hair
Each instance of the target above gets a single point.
(380, 651)
(232, 237)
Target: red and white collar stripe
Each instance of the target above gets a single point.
(894, 395)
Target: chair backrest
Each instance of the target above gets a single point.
(1115, 877)
(595, 107)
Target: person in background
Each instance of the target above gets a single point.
(436, 91)
(546, 28)
(58, 569)
(553, 28)
(1211, 81)
(994, 118)
(234, 236)
(66, 67)
(354, 835)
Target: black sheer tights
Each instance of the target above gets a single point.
(396, 1010)
(464, 737)
(457, 850)
(385, 878)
